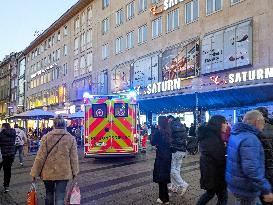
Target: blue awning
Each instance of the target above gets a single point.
(219, 99)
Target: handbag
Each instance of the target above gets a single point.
(49, 153)
(73, 195)
(32, 195)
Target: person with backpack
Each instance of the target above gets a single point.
(56, 162)
(19, 142)
(178, 148)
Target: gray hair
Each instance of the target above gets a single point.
(59, 122)
(251, 116)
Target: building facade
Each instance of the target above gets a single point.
(184, 49)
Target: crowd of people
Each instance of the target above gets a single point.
(238, 159)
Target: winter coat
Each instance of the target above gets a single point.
(179, 136)
(245, 173)
(212, 159)
(266, 138)
(20, 137)
(162, 165)
(7, 142)
(62, 163)
(192, 131)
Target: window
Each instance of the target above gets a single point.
(58, 54)
(142, 34)
(105, 25)
(77, 25)
(83, 19)
(89, 38)
(130, 10)
(89, 61)
(49, 42)
(142, 5)
(130, 40)
(173, 20)
(76, 46)
(119, 45)
(65, 50)
(65, 31)
(53, 56)
(157, 27)
(105, 3)
(65, 71)
(105, 51)
(191, 11)
(89, 15)
(99, 110)
(119, 17)
(121, 109)
(76, 67)
(83, 41)
(235, 2)
(155, 1)
(59, 36)
(213, 6)
(82, 65)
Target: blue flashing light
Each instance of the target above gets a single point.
(132, 94)
(86, 95)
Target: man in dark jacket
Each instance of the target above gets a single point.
(178, 147)
(266, 138)
(7, 144)
(245, 161)
(192, 131)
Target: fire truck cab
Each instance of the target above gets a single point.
(110, 126)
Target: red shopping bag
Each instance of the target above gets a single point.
(73, 195)
(32, 195)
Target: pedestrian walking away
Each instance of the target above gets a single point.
(7, 145)
(266, 138)
(162, 165)
(19, 142)
(178, 149)
(213, 160)
(245, 173)
(56, 162)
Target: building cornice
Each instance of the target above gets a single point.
(69, 14)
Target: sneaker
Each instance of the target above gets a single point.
(161, 202)
(6, 189)
(21, 164)
(184, 190)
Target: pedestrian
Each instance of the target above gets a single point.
(213, 160)
(162, 165)
(7, 145)
(56, 162)
(178, 149)
(245, 173)
(19, 142)
(192, 130)
(266, 138)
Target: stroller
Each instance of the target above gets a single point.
(192, 145)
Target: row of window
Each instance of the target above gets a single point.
(84, 41)
(84, 19)
(50, 42)
(83, 64)
(55, 56)
(191, 12)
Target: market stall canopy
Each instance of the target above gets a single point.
(77, 115)
(218, 99)
(36, 114)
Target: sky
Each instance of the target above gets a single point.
(19, 19)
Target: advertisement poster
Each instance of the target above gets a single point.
(180, 62)
(229, 48)
(120, 78)
(145, 71)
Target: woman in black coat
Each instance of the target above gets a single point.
(162, 165)
(213, 160)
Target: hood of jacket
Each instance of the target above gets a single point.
(244, 127)
(9, 132)
(176, 126)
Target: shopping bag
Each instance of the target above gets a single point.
(73, 195)
(32, 195)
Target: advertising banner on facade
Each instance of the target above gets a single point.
(228, 48)
(120, 78)
(180, 62)
(145, 71)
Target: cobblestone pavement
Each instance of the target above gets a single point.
(110, 181)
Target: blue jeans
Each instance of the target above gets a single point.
(20, 148)
(176, 179)
(55, 191)
(245, 201)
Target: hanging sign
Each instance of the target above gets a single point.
(155, 10)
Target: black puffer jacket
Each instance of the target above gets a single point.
(162, 165)
(179, 136)
(7, 142)
(267, 141)
(212, 159)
